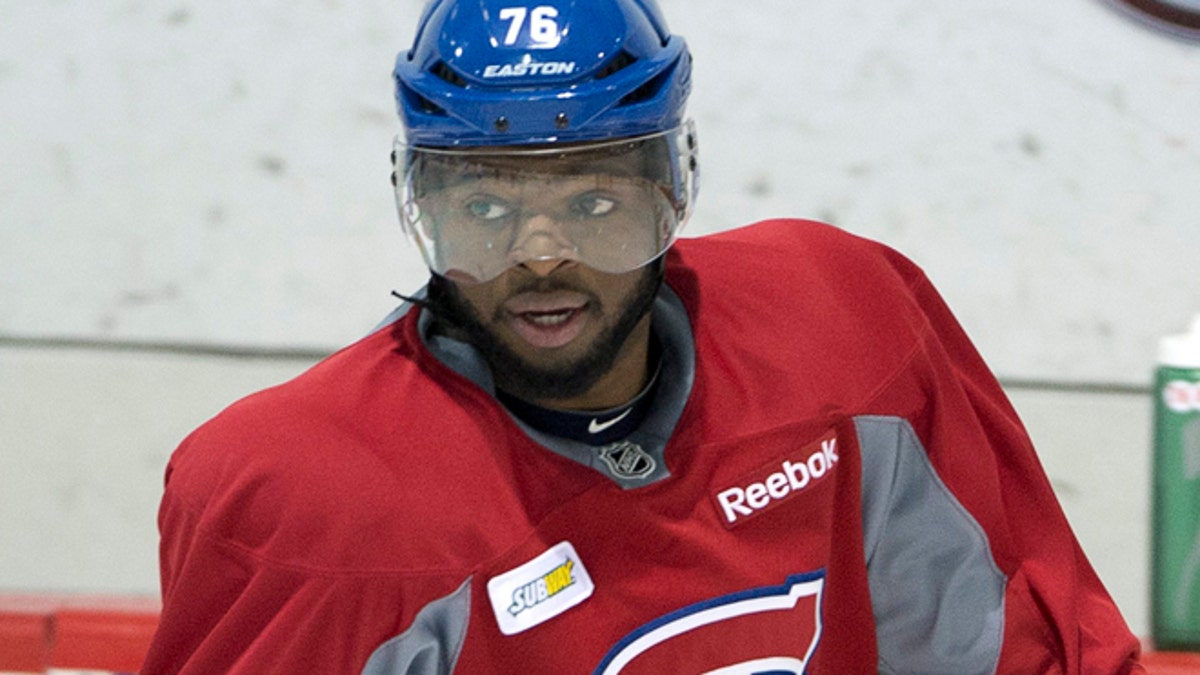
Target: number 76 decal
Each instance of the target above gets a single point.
(542, 26)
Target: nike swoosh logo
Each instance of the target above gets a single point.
(596, 426)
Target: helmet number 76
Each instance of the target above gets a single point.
(543, 29)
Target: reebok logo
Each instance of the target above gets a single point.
(787, 479)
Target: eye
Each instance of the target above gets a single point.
(488, 207)
(593, 205)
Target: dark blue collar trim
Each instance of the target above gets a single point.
(592, 427)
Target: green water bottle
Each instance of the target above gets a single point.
(1175, 566)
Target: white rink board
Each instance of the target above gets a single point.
(217, 172)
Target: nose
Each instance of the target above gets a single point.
(543, 268)
(540, 244)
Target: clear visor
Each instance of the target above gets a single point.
(614, 205)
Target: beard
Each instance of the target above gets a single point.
(516, 375)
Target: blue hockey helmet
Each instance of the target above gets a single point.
(493, 72)
(551, 131)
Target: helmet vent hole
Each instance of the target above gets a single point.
(445, 73)
(419, 103)
(619, 61)
(648, 90)
(430, 108)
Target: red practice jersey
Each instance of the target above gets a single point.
(829, 480)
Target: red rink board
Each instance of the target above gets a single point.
(75, 632)
(26, 632)
(1171, 663)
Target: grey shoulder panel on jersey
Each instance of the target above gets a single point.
(433, 642)
(936, 593)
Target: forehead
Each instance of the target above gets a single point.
(635, 158)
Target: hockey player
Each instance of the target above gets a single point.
(586, 447)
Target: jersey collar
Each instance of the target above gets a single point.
(647, 438)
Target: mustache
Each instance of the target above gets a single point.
(560, 281)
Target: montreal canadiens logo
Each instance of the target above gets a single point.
(772, 630)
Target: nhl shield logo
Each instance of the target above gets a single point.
(627, 460)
